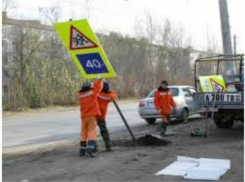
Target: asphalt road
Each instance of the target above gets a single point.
(56, 125)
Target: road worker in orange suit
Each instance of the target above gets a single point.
(89, 110)
(163, 101)
(104, 98)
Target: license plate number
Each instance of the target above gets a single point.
(223, 97)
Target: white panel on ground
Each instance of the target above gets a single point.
(209, 169)
(198, 169)
(180, 167)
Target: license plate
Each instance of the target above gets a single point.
(223, 97)
(209, 110)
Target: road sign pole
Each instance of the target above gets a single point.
(124, 120)
(206, 125)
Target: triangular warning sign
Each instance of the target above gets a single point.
(216, 86)
(79, 41)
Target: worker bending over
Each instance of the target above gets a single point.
(104, 98)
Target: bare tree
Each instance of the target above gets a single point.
(211, 49)
(147, 28)
(7, 5)
(50, 15)
(177, 52)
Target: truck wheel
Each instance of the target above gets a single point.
(184, 116)
(223, 124)
(151, 120)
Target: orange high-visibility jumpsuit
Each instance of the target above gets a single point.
(103, 100)
(163, 101)
(89, 110)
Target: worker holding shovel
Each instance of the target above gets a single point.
(163, 101)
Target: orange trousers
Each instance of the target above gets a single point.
(88, 129)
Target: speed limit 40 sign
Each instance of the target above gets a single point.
(92, 63)
(85, 49)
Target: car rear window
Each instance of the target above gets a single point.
(174, 92)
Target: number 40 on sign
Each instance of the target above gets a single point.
(92, 63)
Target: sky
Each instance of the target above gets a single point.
(199, 19)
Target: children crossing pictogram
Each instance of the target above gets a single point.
(216, 86)
(79, 41)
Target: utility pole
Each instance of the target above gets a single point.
(234, 43)
(226, 35)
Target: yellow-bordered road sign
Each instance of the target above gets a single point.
(212, 83)
(85, 49)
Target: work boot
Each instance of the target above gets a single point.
(96, 148)
(108, 145)
(82, 150)
(108, 149)
(163, 129)
(91, 148)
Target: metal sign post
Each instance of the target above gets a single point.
(124, 120)
(209, 121)
(206, 125)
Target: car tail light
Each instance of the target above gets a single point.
(142, 104)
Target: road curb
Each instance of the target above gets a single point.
(10, 152)
(35, 148)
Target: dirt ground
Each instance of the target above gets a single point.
(130, 163)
